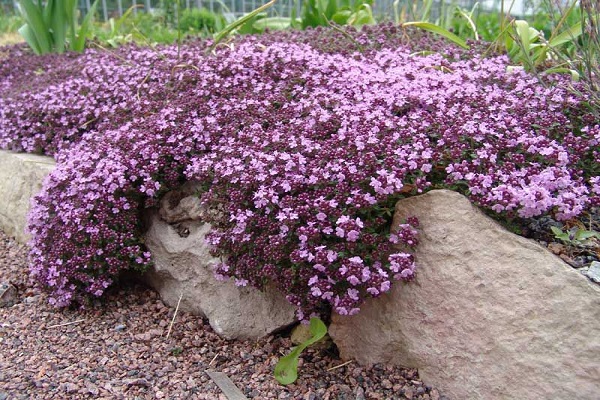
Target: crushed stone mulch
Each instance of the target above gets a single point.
(118, 348)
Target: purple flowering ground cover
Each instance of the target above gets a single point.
(302, 142)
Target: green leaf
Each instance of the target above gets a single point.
(522, 29)
(239, 22)
(566, 36)
(295, 23)
(79, 43)
(273, 23)
(584, 235)
(329, 9)
(362, 16)
(561, 70)
(71, 18)
(286, 370)
(32, 14)
(427, 26)
(56, 19)
(341, 17)
(27, 33)
(556, 231)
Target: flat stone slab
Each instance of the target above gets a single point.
(491, 315)
(21, 177)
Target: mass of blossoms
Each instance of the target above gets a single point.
(301, 143)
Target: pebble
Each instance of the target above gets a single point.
(31, 299)
(8, 294)
(120, 328)
(359, 393)
(593, 272)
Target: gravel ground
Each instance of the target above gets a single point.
(119, 349)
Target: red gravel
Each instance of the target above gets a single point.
(118, 349)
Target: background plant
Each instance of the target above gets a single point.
(200, 20)
(52, 26)
(143, 28)
(343, 12)
(9, 23)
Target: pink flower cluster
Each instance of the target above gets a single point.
(303, 144)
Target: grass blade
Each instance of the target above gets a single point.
(235, 24)
(428, 26)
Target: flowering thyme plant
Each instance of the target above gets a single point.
(301, 143)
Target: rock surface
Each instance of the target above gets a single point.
(593, 272)
(21, 177)
(183, 267)
(8, 294)
(491, 315)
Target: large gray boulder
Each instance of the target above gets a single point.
(21, 177)
(491, 315)
(183, 267)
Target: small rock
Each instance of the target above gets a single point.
(137, 382)
(120, 328)
(155, 332)
(8, 294)
(144, 337)
(3, 395)
(359, 393)
(92, 389)
(71, 387)
(409, 392)
(31, 299)
(593, 272)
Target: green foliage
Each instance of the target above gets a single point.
(9, 23)
(143, 28)
(464, 22)
(575, 236)
(240, 24)
(52, 27)
(286, 370)
(200, 20)
(271, 23)
(427, 26)
(528, 47)
(343, 12)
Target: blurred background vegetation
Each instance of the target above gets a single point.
(160, 21)
(541, 36)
